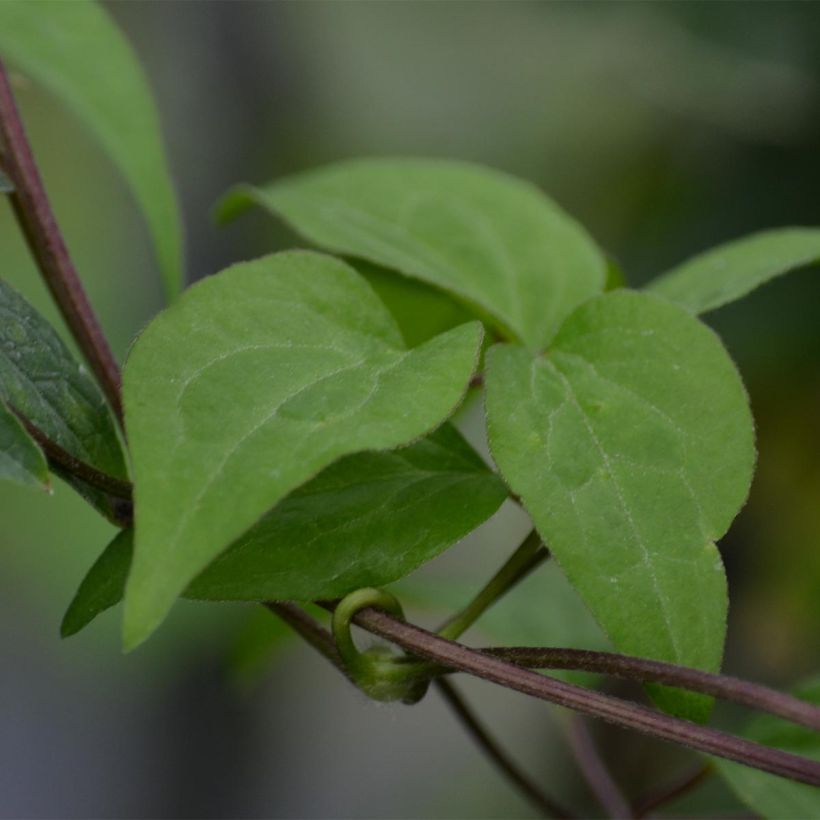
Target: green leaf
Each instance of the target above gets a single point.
(726, 273)
(77, 52)
(494, 241)
(365, 521)
(40, 379)
(21, 460)
(368, 519)
(255, 380)
(766, 794)
(632, 447)
(102, 587)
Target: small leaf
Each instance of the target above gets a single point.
(78, 53)
(40, 379)
(494, 241)
(730, 271)
(255, 380)
(21, 460)
(366, 520)
(632, 447)
(766, 794)
(102, 587)
(6, 185)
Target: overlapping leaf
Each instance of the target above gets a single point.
(21, 460)
(75, 50)
(41, 380)
(631, 445)
(766, 794)
(494, 241)
(728, 272)
(254, 381)
(366, 520)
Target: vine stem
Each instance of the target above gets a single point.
(424, 644)
(529, 554)
(684, 784)
(322, 640)
(644, 670)
(36, 219)
(595, 772)
(61, 458)
(544, 803)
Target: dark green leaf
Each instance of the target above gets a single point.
(254, 381)
(75, 50)
(494, 241)
(631, 445)
(364, 521)
(766, 794)
(21, 460)
(730, 271)
(40, 379)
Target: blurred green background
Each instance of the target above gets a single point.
(664, 127)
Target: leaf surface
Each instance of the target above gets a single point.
(728, 272)
(77, 52)
(254, 381)
(40, 379)
(766, 794)
(366, 520)
(21, 460)
(496, 242)
(632, 447)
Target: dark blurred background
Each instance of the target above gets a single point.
(664, 127)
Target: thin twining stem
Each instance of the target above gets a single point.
(595, 772)
(424, 644)
(58, 457)
(321, 640)
(681, 786)
(543, 802)
(526, 558)
(31, 206)
(724, 687)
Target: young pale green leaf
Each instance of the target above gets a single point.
(730, 271)
(632, 447)
(78, 53)
(366, 520)
(21, 460)
(255, 380)
(494, 241)
(40, 379)
(767, 795)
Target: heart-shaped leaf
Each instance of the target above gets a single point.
(78, 53)
(728, 272)
(40, 379)
(768, 795)
(494, 241)
(256, 379)
(631, 445)
(21, 460)
(366, 520)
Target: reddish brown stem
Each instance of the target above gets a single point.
(424, 644)
(33, 211)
